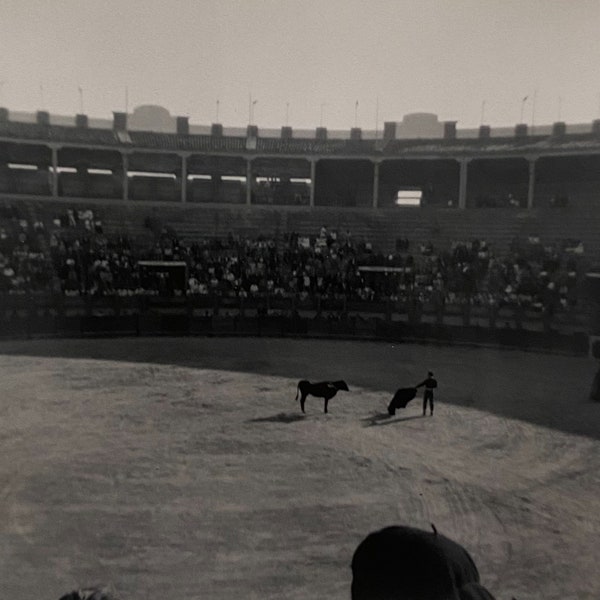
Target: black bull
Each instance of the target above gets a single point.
(401, 398)
(324, 389)
(404, 562)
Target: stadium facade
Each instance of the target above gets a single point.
(543, 181)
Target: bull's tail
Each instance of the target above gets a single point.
(297, 392)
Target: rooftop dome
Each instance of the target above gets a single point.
(151, 117)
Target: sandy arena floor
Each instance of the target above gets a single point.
(183, 468)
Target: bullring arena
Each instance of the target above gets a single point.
(162, 293)
(182, 467)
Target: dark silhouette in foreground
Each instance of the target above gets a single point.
(324, 389)
(94, 593)
(405, 563)
(401, 398)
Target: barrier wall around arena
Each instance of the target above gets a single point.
(358, 327)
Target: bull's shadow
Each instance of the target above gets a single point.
(279, 418)
(380, 419)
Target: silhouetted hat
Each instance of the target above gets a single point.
(430, 374)
(404, 562)
(89, 594)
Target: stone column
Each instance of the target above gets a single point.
(376, 184)
(248, 181)
(531, 182)
(313, 174)
(54, 150)
(125, 158)
(184, 178)
(462, 185)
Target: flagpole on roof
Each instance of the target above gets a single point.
(126, 99)
(376, 117)
(523, 107)
(251, 104)
(533, 110)
(80, 99)
(252, 111)
(356, 114)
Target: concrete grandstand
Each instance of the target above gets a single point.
(155, 186)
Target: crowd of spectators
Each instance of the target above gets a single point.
(73, 256)
(500, 201)
(24, 264)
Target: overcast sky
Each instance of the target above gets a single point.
(320, 56)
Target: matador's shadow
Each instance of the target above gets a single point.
(384, 418)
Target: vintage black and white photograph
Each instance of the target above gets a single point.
(299, 299)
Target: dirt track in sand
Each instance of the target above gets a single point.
(202, 480)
